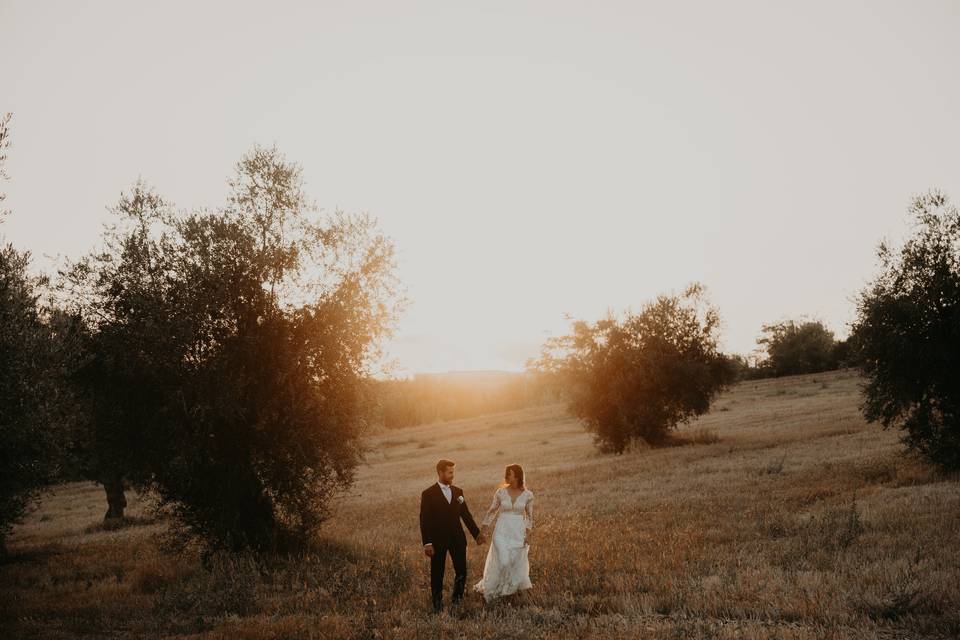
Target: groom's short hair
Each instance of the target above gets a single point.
(443, 464)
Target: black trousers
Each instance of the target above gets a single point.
(458, 553)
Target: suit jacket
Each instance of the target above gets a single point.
(440, 520)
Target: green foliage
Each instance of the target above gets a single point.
(639, 377)
(797, 347)
(845, 353)
(35, 400)
(231, 350)
(907, 333)
(747, 368)
(28, 438)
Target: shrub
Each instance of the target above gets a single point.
(907, 334)
(639, 377)
(797, 347)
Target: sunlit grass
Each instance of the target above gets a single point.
(785, 517)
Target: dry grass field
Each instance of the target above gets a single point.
(788, 518)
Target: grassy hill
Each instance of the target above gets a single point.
(788, 517)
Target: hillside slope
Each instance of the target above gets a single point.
(799, 521)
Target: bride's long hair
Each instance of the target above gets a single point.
(517, 473)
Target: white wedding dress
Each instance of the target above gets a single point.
(507, 568)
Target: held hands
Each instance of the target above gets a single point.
(481, 538)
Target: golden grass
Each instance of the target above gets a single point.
(786, 517)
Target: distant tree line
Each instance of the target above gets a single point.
(791, 347)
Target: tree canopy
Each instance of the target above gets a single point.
(907, 333)
(798, 347)
(230, 351)
(638, 377)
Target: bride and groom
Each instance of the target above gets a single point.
(507, 567)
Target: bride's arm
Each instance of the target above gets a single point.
(528, 515)
(491, 510)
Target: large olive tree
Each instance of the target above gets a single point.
(231, 350)
(907, 333)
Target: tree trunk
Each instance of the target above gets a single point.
(116, 500)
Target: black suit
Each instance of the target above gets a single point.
(440, 526)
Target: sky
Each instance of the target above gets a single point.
(530, 160)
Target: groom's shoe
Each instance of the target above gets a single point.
(459, 586)
(437, 605)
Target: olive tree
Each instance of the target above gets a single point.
(231, 351)
(35, 410)
(639, 376)
(797, 347)
(907, 333)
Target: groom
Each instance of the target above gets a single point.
(441, 508)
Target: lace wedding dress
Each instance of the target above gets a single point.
(507, 568)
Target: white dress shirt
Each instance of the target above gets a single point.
(447, 492)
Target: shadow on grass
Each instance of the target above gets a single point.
(32, 555)
(191, 595)
(115, 524)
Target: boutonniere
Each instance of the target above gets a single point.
(460, 499)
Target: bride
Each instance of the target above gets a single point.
(507, 568)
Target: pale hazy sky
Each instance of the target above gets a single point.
(528, 158)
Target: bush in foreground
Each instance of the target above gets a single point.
(907, 333)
